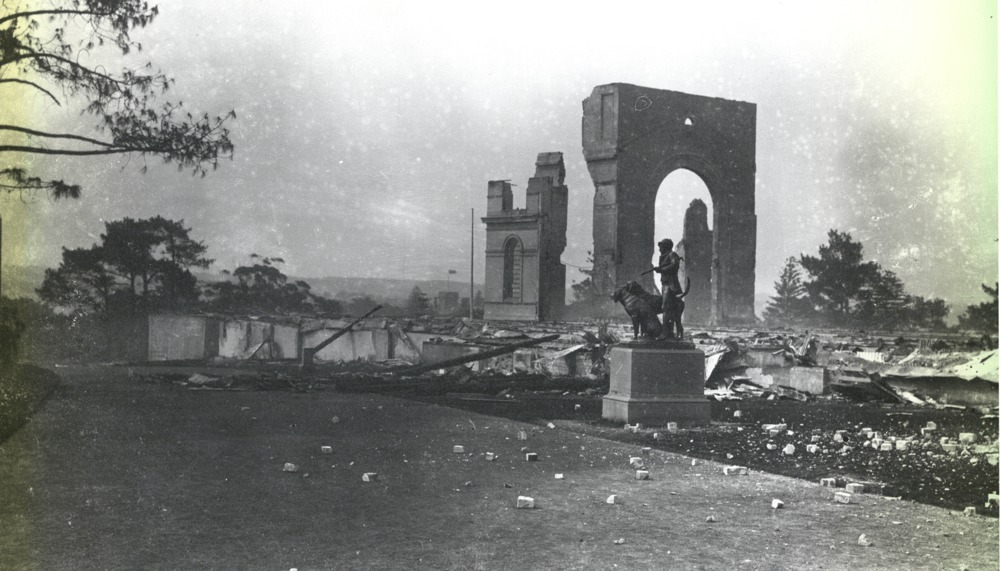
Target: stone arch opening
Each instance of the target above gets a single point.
(512, 269)
(631, 148)
(683, 210)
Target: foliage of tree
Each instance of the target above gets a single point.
(788, 306)
(139, 265)
(417, 303)
(361, 305)
(50, 49)
(846, 291)
(262, 288)
(982, 316)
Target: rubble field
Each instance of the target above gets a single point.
(926, 471)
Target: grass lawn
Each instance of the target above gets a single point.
(114, 473)
(23, 388)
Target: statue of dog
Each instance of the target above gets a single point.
(642, 307)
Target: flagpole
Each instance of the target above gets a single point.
(472, 259)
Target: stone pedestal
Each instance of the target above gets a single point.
(657, 382)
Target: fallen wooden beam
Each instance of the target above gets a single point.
(309, 352)
(418, 369)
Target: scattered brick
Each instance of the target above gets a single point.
(611, 499)
(459, 449)
(369, 477)
(771, 446)
(886, 447)
(326, 449)
(838, 437)
(577, 407)
(491, 456)
(967, 437)
(635, 462)
(735, 471)
(559, 476)
(737, 414)
(902, 445)
(842, 497)
(550, 425)
(525, 503)
(531, 457)
(812, 448)
(863, 540)
(815, 438)
(789, 449)
(777, 504)
(641, 475)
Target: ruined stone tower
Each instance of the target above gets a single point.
(696, 249)
(525, 277)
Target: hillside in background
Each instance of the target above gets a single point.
(382, 289)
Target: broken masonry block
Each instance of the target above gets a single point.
(773, 432)
(876, 443)
(865, 432)
(944, 440)
(646, 450)
(863, 541)
(694, 461)
(777, 504)
(550, 425)
(842, 497)
(619, 541)
(326, 449)
(771, 446)
(967, 437)
(671, 427)
(710, 519)
(459, 449)
(524, 449)
(768, 427)
(577, 407)
(737, 414)
(828, 482)
(531, 457)
(887, 447)
(790, 432)
(855, 488)
(635, 462)
(812, 448)
(789, 450)
(641, 475)
(611, 499)
(491, 456)
(992, 499)
(982, 449)
(969, 511)
(735, 471)
(469, 484)
(289, 467)
(815, 438)
(657, 436)
(559, 476)
(926, 432)
(525, 503)
(522, 435)
(993, 459)
(949, 448)
(931, 426)
(838, 437)
(369, 477)
(902, 445)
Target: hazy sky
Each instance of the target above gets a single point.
(366, 132)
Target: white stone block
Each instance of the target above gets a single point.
(525, 503)
(855, 488)
(789, 449)
(611, 499)
(635, 462)
(326, 449)
(967, 437)
(289, 467)
(777, 504)
(559, 476)
(369, 477)
(842, 497)
(641, 475)
(459, 449)
(490, 456)
(531, 457)
(735, 471)
(812, 448)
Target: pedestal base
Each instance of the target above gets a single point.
(655, 383)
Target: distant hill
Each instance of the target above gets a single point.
(382, 289)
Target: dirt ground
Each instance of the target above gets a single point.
(114, 473)
(923, 473)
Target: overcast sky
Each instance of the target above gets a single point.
(366, 132)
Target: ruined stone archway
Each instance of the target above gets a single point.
(633, 137)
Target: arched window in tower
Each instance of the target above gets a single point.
(512, 270)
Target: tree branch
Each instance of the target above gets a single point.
(53, 13)
(69, 62)
(44, 151)
(35, 85)
(55, 135)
